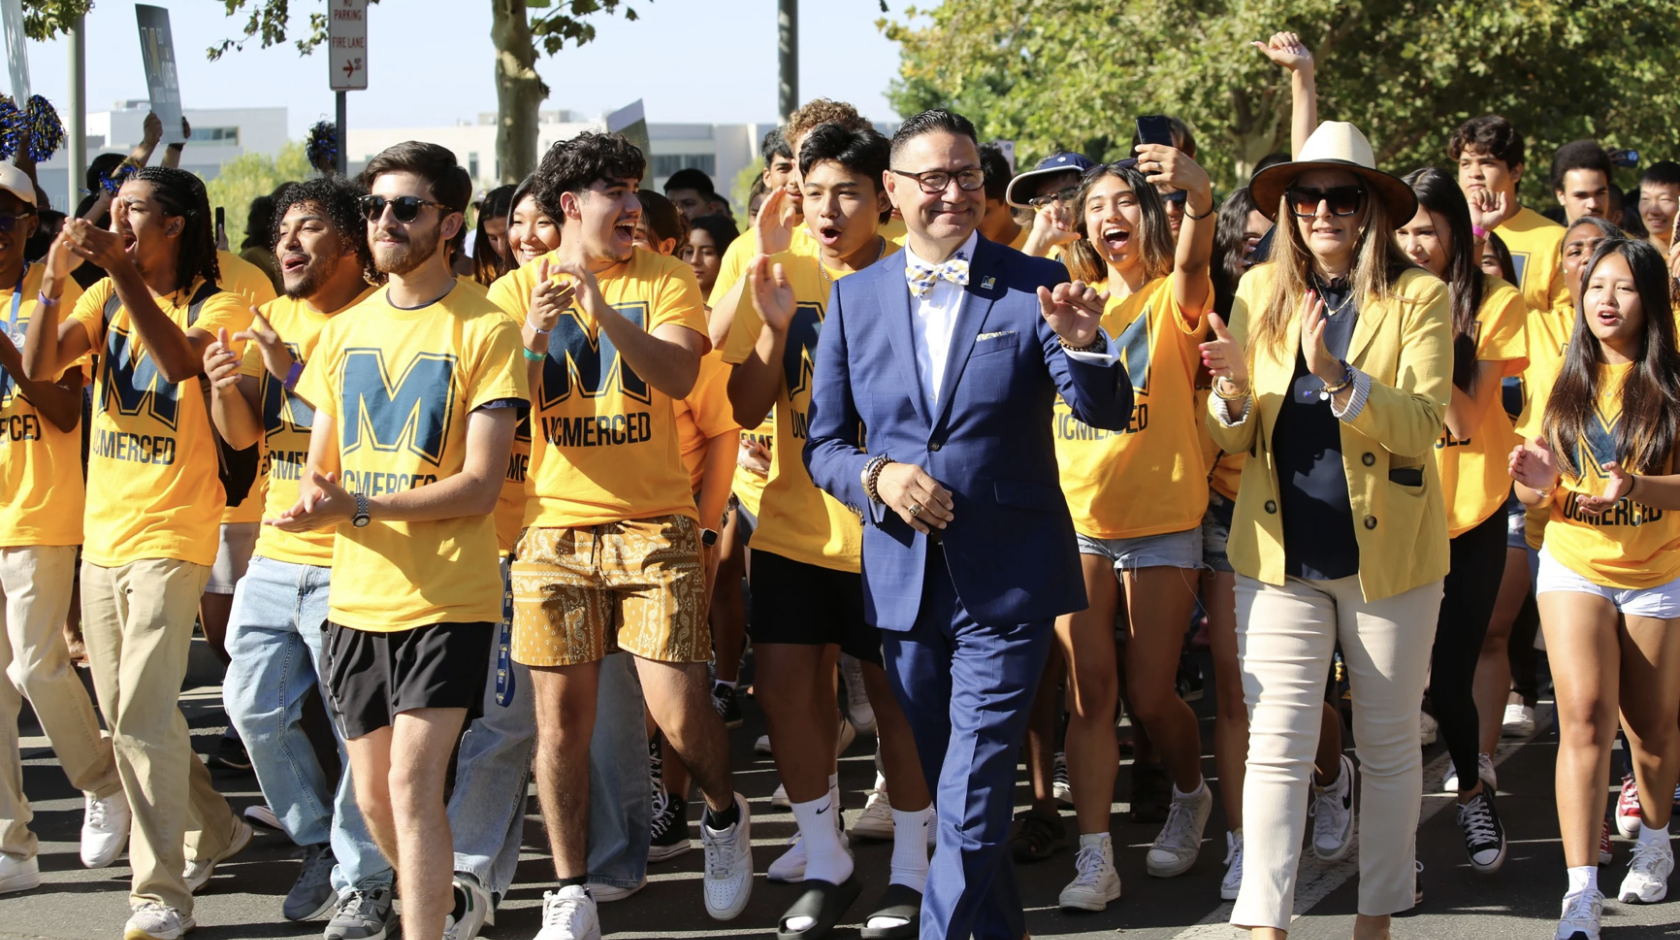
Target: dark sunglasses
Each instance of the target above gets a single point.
(10, 223)
(1343, 200)
(405, 208)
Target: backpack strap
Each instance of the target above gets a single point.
(194, 306)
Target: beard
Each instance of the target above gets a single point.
(312, 278)
(411, 251)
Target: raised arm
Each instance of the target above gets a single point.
(59, 402)
(1288, 51)
(754, 382)
(179, 354)
(49, 342)
(1081, 358)
(1192, 289)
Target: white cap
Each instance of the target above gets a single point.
(17, 182)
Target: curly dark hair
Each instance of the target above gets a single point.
(435, 164)
(335, 196)
(572, 166)
(182, 194)
(1492, 133)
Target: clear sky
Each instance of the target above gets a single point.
(430, 62)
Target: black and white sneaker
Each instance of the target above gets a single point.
(1484, 837)
(1189, 683)
(669, 829)
(728, 704)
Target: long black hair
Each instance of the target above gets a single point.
(1438, 192)
(488, 263)
(1154, 240)
(1650, 420)
(1230, 248)
(182, 194)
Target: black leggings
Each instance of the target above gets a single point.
(1467, 602)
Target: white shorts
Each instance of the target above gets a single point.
(1661, 602)
(233, 555)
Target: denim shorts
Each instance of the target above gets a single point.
(1167, 550)
(1516, 523)
(1661, 602)
(1216, 531)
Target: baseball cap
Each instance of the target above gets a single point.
(17, 182)
(1063, 162)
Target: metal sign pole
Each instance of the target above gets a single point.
(76, 123)
(343, 134)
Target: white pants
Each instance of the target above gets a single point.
(1285, 638)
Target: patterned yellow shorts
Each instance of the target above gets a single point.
(581, 593)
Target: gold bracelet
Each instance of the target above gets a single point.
(1222, 395)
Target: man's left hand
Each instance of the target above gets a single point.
(322, 504)
(1073, 310)
(95, 244)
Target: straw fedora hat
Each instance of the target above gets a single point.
(1336, 145)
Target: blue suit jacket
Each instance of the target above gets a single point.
(1010, 545)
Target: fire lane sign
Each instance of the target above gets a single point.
(347, 44)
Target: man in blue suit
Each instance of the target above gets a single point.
(951, 357)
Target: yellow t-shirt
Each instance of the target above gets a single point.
(286, 420)
(1536, 246)
(254, 285)
(604, 442)
(510, 505)
(399, 385)
(703, 415)
(153, 484)
(1475, 472)
(40, 465)
(1629, 546)
(1224, 471)
(1549, 330)
(1159, 452)
(796, 519)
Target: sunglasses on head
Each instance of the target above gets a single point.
(1342, 200)
(405, 208)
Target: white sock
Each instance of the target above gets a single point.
(827, 860)
(1652, 836)
(910, 853)
(1181, 795)
(722, 682)
(1583, 879)
(834, 798)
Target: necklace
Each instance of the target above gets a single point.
(1332, 309)
(880, 250)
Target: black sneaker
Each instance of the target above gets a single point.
(670, 828)
(728, 705)
(1151, 792)
(1484, 837)
(1038, 835)
(1189, 683)
(230, 754)
(656, 764)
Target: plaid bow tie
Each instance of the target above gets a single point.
(922, 275)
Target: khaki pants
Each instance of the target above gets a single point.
(1285, 637)
(35, 585)
(137, 622)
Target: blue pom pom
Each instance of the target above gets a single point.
(46, 132)
(321, 147)
(12, 122)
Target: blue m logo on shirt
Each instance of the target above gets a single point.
(413, 412)
(133, 382)
(281, 408)
(801, 349)
(586, 360)
(1133, 345)
(1599, 446)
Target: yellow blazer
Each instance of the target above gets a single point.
(1405, 346)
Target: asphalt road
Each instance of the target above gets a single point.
(243, 900)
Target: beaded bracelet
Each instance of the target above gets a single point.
(872, 477)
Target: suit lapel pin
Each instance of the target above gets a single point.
(987, 283)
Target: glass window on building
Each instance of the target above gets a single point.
(216, 135)
(665, 164)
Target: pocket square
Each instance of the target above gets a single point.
(986, 336)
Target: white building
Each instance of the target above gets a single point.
(218, 136)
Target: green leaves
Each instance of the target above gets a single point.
(44, 19)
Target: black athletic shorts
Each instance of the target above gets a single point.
(372, 677)
(809, 605)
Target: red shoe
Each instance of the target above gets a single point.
(1606, 853)
(1627, 808)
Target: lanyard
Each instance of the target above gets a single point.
(17, 300)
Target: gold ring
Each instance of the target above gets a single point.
(915, 509)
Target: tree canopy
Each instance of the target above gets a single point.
(1054, 74)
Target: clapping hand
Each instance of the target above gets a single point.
(1313, 322)
(1619, 486)
(778, 216)
(277, 359)
(551, 296)
(321, 504)
(772, 293)
(103, 248)
(1534, 465)
(220, 364)
(1488, 210)
(1073, 310)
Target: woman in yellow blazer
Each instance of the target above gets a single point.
(1334, 378)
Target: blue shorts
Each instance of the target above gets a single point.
(1516, 523)
(1216, 531)
(1167, 550)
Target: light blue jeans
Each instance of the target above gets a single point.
(487, 809)
(274, 639)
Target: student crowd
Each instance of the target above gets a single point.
(492, 495)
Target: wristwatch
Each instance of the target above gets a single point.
(360, 519)
(708, 537)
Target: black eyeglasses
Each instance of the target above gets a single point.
(934, 182)
(1342, 200)
(405, 208)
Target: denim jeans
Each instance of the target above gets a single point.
(274, 639)
(487, 809)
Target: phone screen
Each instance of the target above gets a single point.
(1154, 129)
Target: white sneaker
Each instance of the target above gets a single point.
(1648, 871)
(729, 874)
(105, 825)
(1333, 817)
(1095, 882)
(876, 823)
(1060, 786)
(153, 921)
(762, 744)
(19, 874)
(198, 872)
(1232, 882)
(1180, 841)
(606, 894)
(933, 830)
(1484, 770)
(789, 867)
(1518, 721)
(1581, 915)
(779, 799)
(1428, 728)
(473, 902)
(857, 700)
(569, 914)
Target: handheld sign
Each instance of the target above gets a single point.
(632, 123)
(347, 45)
(157, 53)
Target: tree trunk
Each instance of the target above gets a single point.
(519, 90)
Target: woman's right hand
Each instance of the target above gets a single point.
(1224, 358)
(1534, 465)
(1287, 50)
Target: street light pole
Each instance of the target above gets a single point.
(787, 48)
(76, 158)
